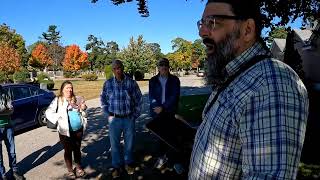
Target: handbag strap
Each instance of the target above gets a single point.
(254, 60)
(57, 105)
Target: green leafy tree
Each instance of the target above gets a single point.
(137, 56)
(183, 50)
(106, 55)
(278, 32)
(174, 64)
(199, 54)
(156, 55)
(186, 54)
(112, 49)
(95, 48)
(16, 41)
(112, 52)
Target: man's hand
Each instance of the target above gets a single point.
(157, 109)
(110, 118)
(83, 106)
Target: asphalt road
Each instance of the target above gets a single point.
(40, 155)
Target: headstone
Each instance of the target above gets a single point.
(43, 86)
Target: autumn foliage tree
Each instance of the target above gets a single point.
(14, 40)
(40, 57)
(74, 59)
(9, 59)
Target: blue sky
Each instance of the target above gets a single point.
(76, 19)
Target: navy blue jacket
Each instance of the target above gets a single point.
(172, 94)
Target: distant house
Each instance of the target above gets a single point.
(307, 42)
(308, 46)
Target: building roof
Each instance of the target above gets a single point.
(304, 34)
(315, 31)
(281, 43)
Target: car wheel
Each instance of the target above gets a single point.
(42, 120)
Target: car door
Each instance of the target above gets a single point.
(25, 106)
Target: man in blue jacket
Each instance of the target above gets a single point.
(164, 92)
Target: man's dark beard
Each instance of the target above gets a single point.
(224, 52)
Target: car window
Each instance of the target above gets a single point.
(41, 91)
(6, 90)
(34, 91)
(20, 92)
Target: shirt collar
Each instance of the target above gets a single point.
(234, 65)
(116, 81)
(163, 77)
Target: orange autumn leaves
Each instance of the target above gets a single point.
(9, 58)
(74, 59)
(40, 57)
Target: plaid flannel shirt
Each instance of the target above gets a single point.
(256, 127)
(121, 97)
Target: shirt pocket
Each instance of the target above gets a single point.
(110, 95)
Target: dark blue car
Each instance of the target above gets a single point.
(29, 103)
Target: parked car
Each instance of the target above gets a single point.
(200, 73)
(29, 103)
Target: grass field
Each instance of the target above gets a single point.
(190, 107)
(88, 89)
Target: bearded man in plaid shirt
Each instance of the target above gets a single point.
(121, 103)
(253, 127)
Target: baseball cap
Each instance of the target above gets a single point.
(163, 62)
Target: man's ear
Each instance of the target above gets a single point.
(248, 30)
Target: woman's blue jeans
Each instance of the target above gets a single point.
(117, 126)
(7, 134)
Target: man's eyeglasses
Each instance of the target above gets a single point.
(213, 21)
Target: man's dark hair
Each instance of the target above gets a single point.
(246, 9)
(163, 61)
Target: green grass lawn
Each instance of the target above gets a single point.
(191, 107)
(88, 89)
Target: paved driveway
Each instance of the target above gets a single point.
(40, 155)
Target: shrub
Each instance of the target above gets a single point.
(89, 77)
(10, 78)
(45, 78)
(69, 74)
(138, 76)
(21, 76)
(108, 71)
(50, 83)
(42, 76)
(3, 77)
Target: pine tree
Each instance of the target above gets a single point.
(52, 36)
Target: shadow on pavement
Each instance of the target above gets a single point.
(38, 157)
(96, 158)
